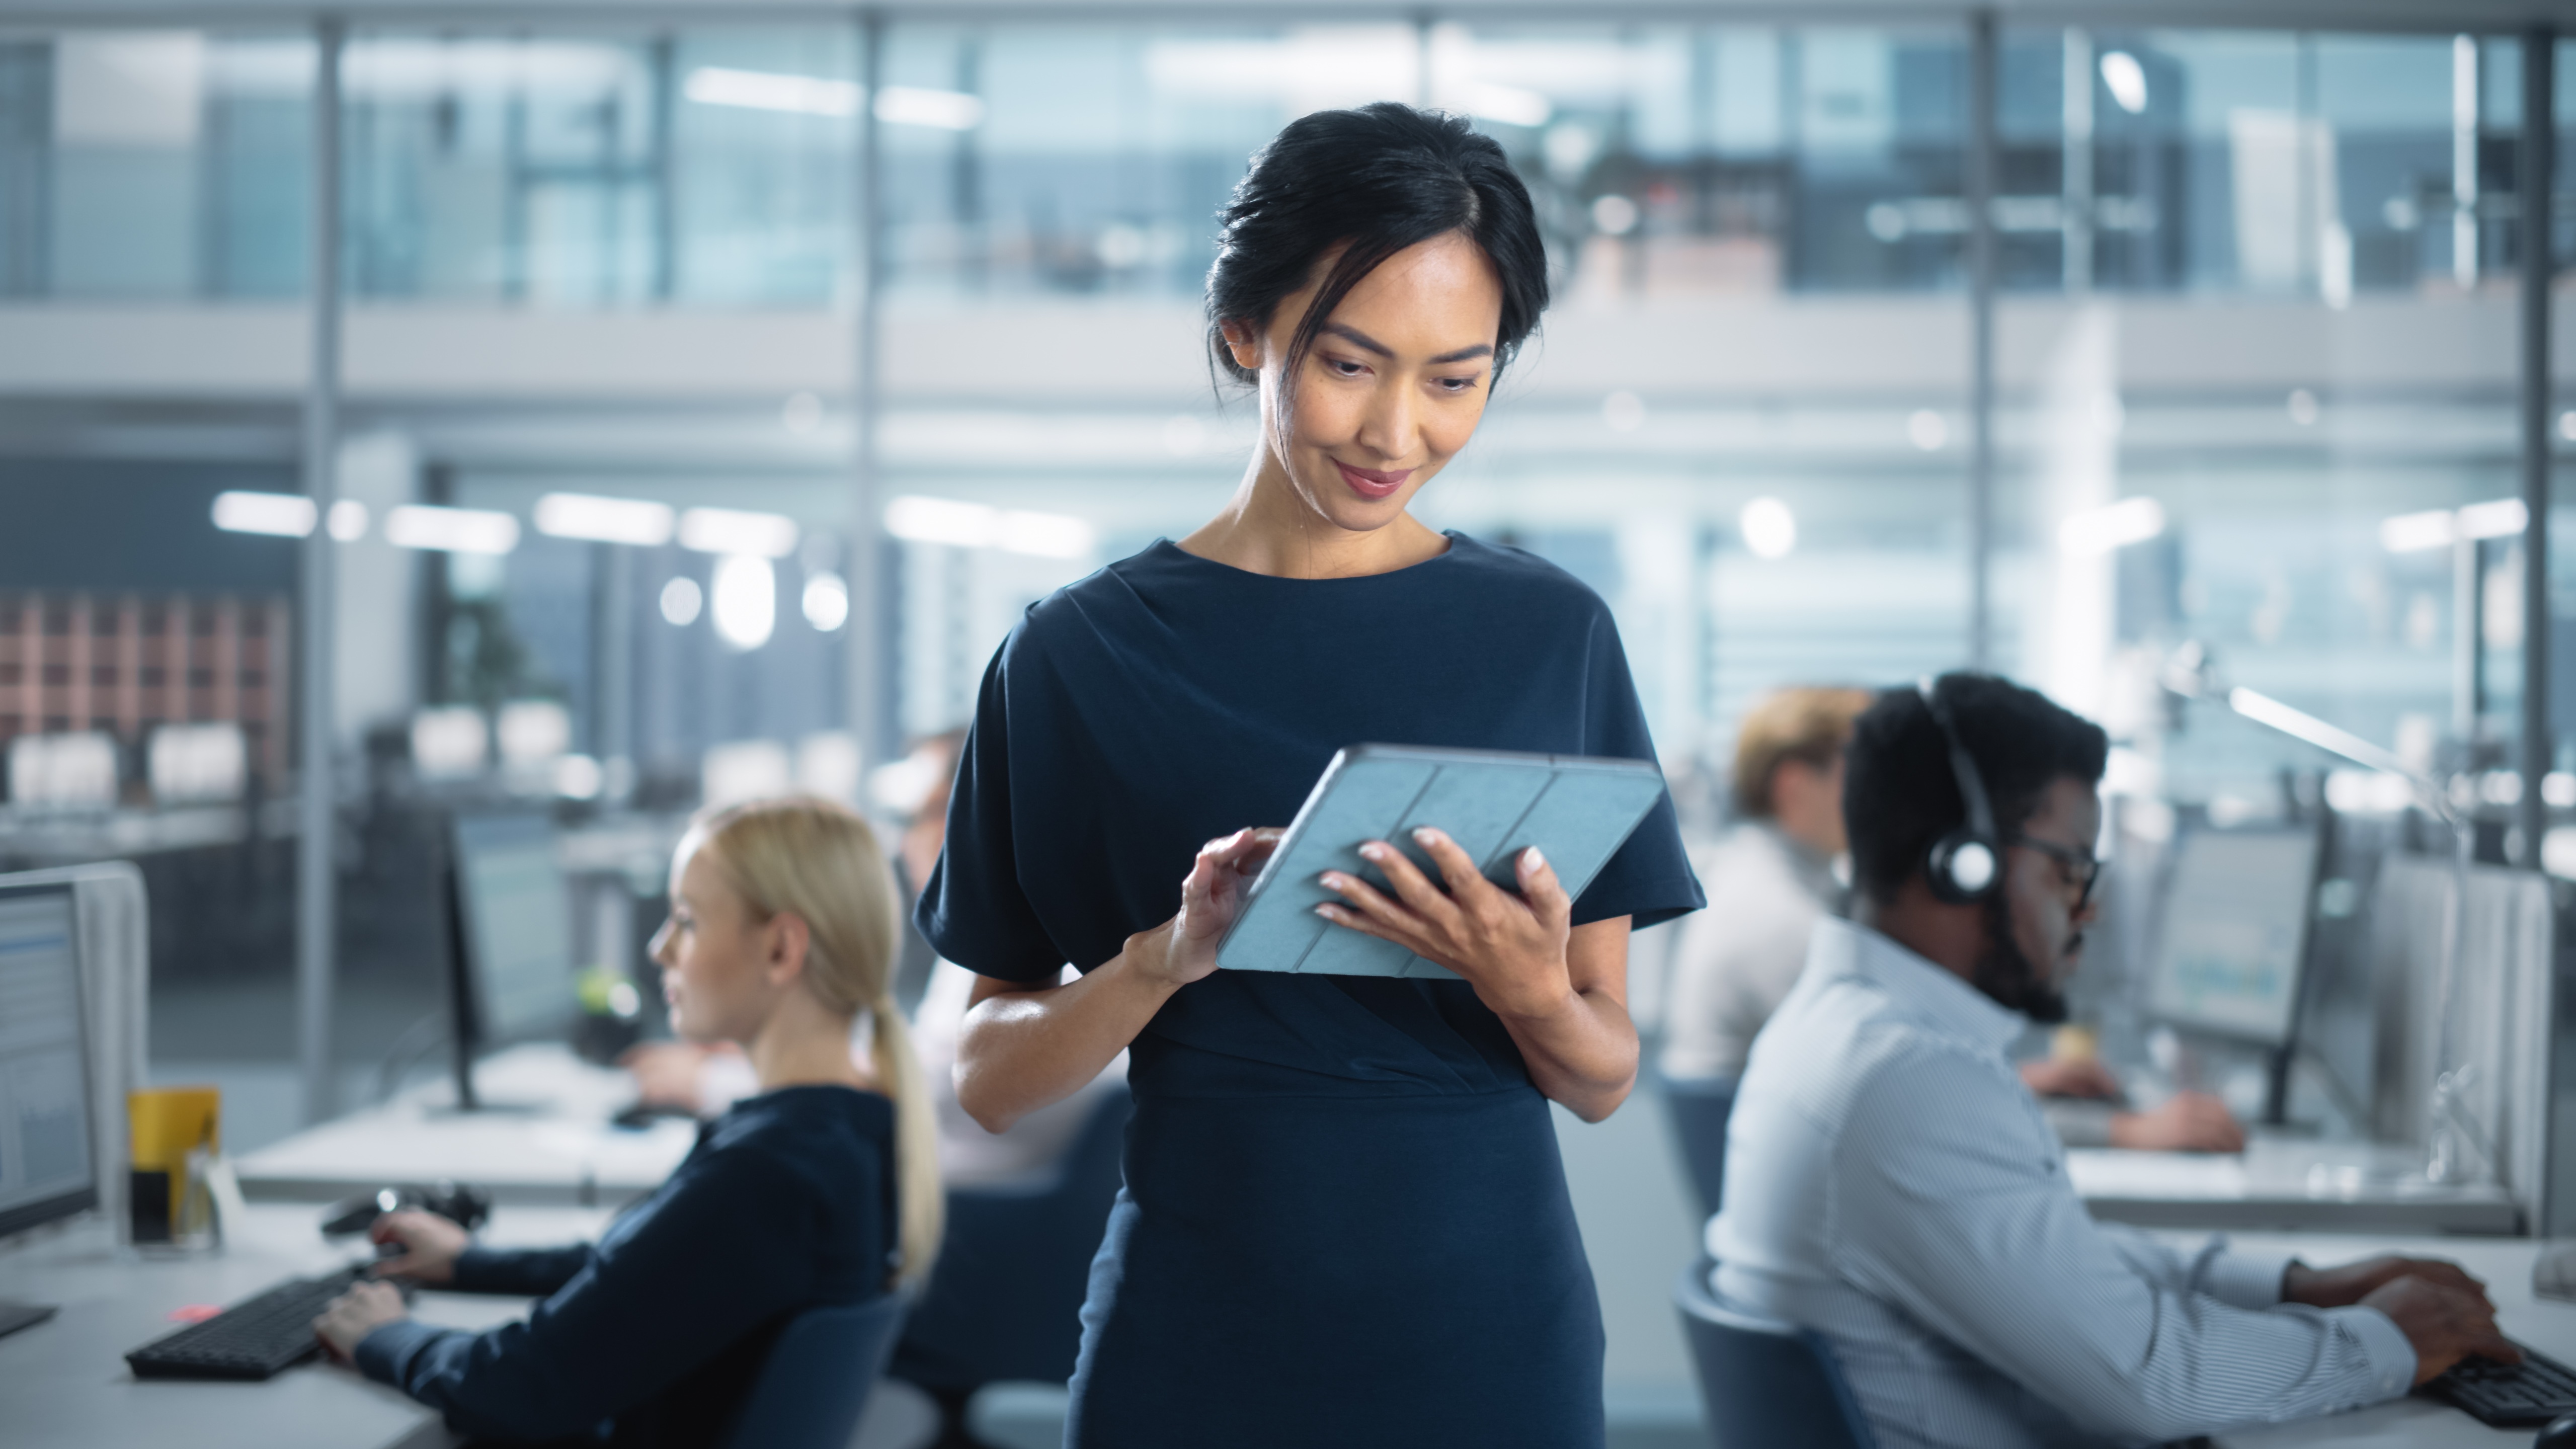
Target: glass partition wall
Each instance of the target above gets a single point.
(660, 302)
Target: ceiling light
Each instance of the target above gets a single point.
(451, 530)
(2126, 80)
(827, 602)
(2112, 526)
(729, 531)
(604, 520)
(284, 515)
(681, 601)
(745, 601)
(960, 524)
(2442, 527)
(941, 110)
(1770, 530)
(758, 90)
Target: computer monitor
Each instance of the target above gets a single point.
(2233, 949)
(510, 944)
(47, 1170)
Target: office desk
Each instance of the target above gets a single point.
(64, 1384)
(2505, 1264)
(2285, 1185)
(544, 1141)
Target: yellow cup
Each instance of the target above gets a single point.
(174, 1133)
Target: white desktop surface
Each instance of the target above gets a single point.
(64, 1383)
(2284, 1183)
(546, 1140)
(2505, 1264)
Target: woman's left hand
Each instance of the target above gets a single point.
(353, 1315)
(1511, 948)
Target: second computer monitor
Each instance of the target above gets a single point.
(515, 921)
(46, 1166)
(2235, 936)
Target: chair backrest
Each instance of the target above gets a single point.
(815, 1382)
(1005, 1297)
(1765, 1382)
(1698, 1108)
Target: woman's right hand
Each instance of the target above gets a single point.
(430, 1246)
(1211, 898)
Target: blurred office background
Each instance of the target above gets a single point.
(693, 401)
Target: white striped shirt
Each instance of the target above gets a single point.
(1891, 1183)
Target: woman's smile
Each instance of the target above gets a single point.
(1370, 483)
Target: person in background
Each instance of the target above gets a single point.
(1892, 1185)
(705, 1079)
(1769, 880)
(1772, 877)
(821, 1189)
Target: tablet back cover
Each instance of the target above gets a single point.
(1577, 810)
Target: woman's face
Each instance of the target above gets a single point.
(1393, 385)
(717, 962)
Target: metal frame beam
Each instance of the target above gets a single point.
(2535, 161)
(317, 913)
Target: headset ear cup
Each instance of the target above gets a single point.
(1963, 868)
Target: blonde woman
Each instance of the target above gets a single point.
(823, 1188)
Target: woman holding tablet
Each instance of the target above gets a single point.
(1345, 1221)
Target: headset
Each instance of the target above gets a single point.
(1965, 865)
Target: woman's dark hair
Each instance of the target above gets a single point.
(1900, 794)
(1380, 178)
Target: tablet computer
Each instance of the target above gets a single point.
(1577, 810)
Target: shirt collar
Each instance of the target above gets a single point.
(1925, 990)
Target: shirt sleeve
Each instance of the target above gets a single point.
(1950, 1205)
(730, 1252)
(1649, 879)
(529, 1271)
(974, 910)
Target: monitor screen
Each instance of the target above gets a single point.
(45, 1167)
(2235, 933)
(517, 924)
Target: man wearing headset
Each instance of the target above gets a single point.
(1892, 1185)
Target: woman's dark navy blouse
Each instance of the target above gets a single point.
(654, 1335)
(1168, 700)
(1344, 1220)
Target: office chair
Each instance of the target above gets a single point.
(1765, 1382)
(1004, 1301)
(1698, 1108)
(815, 1382)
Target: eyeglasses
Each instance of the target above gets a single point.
(2081, 868)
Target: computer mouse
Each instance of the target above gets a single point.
(464, 1205)
(2561, 1434)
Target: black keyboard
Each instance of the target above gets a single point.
(2509, 1395)
(252, 1339)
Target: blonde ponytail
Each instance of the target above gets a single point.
(820, 862)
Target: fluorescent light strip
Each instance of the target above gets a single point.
(974, 525)
(730, 531)
(605, 520)
(2112, 526)
(281, 515)
(451, 530)
(2441, 527)
(761, 90)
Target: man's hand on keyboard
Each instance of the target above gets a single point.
(355, 1314)
(2343, 1286)
(2445, 1324)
